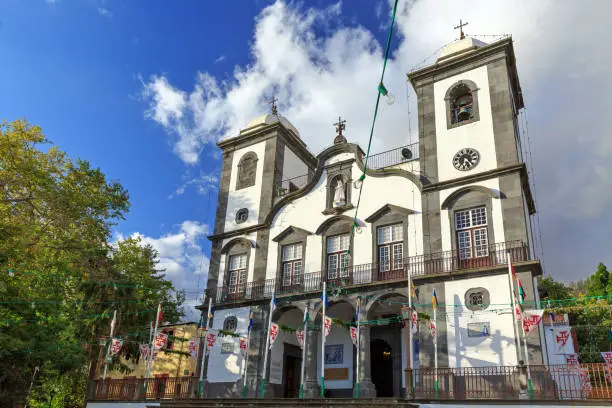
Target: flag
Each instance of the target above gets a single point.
(517, 311)
(552, 316)
(115, 346)
(434, 331)
(324, 299)
(273, 302)
(300, 337)
(521, 291)
(357, 309)
(159, 316)
(211, 338)
(561, 337)
(434, 299)
(273, 333)
(607, 356)
(412, 289)
(201, 322)
(145, 351)
(327, 323)
(354, 336)
(531, 319)
(243, 344)
(572, 359)
(191, 347)
(160, 341)
(414, 322)
(250, 321)
(210, 314)
(511, 267)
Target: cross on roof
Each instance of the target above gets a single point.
(272, 102)
(340, 126)
(460, 27)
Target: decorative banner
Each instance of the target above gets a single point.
(517, 311)
(160, 341)
(145, 351)
(273, 333)
(327, 324)
(243, 344)
(354, 336)
(561, 337)
(300, 337)
(572, 359)
(191, 347)
(414, 322)
(531, 319)
(433, 330)
(115, 346)
(607, 356)
(211, 338)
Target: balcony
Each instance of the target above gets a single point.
(447, 262)
(377, 161)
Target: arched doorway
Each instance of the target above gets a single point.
(382, 367)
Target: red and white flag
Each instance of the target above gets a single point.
(145, 351)
(434, 331)
(531, 320)
(115, 346)
(300, 337)
(273, 333)
(607, 356)
(561, 336)
(517, 310)
(211, 338)
(414, 322)
(572, 359)
(354, 336)
(327, 323)
(243, 344)
(192, 347)
(160, 341)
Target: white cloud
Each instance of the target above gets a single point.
(203, 184)
(563, 63)
(183, 259)
(220, 59)
(103, 11)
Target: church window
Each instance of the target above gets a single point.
(390, 247)
(337, 256)
(292, 264)
(462, 104)
(237, 272)
(230, 324)
(472, 238)
(247, 171)
(242, 215)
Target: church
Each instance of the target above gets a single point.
(445, 214)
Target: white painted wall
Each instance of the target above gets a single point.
(228, 367)
(293, 166)
(338, 335)
(306, 213)
(497, 349)
(245, 197)
(477, 135)
(496, 214)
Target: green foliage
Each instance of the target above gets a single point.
(56, 216)
(551, 289)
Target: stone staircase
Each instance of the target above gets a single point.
(288, 403)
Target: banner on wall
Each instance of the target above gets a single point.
(300, 337)
(273, 333)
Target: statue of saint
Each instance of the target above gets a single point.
(339, 197)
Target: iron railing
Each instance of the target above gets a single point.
(552, 382)
(355, 275)
(549, 382)
(376, 161)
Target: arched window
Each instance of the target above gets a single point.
(247, 171)
(462, 103)
(230, 324)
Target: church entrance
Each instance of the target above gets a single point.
(382, 367)
(292, 364)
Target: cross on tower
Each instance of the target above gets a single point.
(460, 27)
(340, 126)
(272, 102)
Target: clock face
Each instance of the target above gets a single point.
(466, 159)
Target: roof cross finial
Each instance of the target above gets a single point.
(272, 102)
(340, 126)
(460, 27)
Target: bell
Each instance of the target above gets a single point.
(464, 113)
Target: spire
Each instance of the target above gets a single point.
(340, 126)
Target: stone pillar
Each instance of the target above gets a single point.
(366, 386)
(312, 389)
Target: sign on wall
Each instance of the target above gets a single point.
(479, 329)
(334, 353)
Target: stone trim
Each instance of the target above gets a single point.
(325, 225)
(389, 218)
(235, 241)
(475, 111)
(290, 231)
(468, 200)
(237, 247)
(246, 174)
(224, 186)
(337, 225)
(456, 195)
(385, 210)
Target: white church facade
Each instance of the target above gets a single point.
(447, 212)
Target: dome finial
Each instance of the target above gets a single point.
(272, 103)
(340, 126)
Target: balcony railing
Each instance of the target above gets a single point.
(376, 161)
(355, 275)
(554, 382)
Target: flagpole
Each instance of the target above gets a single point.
(112, 329)
(357, 347)
(246, 362)
(512, 299)
(529, 384)
(263, 370)
(323, 342)
(148, 374)
(306, 318)
(204, 349)
(436, 387)
(410, 345)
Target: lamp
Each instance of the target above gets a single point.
(389, 97)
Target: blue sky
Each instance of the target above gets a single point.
(144, 88)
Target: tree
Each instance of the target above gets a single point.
(60, 277)
(599, 284)
(551, 289)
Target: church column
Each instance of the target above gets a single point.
(312, 389)
(366, 386)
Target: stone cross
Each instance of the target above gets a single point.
(340, 126)
(272, 102)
